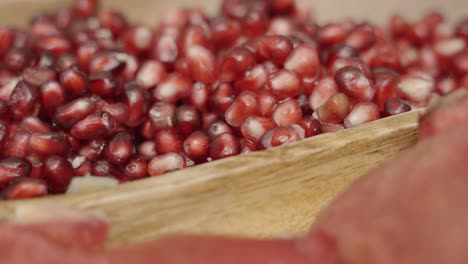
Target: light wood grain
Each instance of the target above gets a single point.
(265, 194)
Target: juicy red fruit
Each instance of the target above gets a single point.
(12, 168)
(354, 83)
(58, 173)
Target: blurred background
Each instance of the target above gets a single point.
(19, 11)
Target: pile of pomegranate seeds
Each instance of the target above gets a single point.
(85, 92)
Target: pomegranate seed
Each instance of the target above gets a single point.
(119, 149)
(106, 62)
(6, 40)
(223, 146)
(247, 146)
(99, 124)
(224, 32)
(362, 113)
(56, 45)
(395, 106)
(147, 129)
(33, 124)
(137, 40)
(281, 26)
(287, 112)
(17, 59)
(202, 64)
(85, 54)
(137, 100)
(208, 119)
(64, 17)
(447, 48)
(168, 141)
(285, 84)
(253, 80)
(255, 127)
(222, 98)
(25, 188)
(283, 7)
(361, 37)
(254, 23)
(460, 62)
(199, 96)
(81, 165)
(12, 168)
(49, 144)
(195, 36)
(119, 112)
(74, 82)
(354, 83)
(165, 163)
(181, 66)
(17, 145)
(304, 61)
(398, 25)
(386, 55)
(58, 173)
(188, 119)
(93, 149)
(113, 21)
(147, 150)
(4, 134)
(330, 34)
(166, 50)
(197, 146)
(266, 103)
(86, 8)
(163, 115)
(311, 126)
(23, 101)
(385, 83)
(4, 110)
(136, 169)
(415, 88)
(104, 168)
(276, 49)
(70, 114)
(324, 90)
(235, 64)
(338, 51)
(150, 74)
(218, 128)
(282, 135)
(38, 76)
(104, 85)
(352, 62)
(244, 105)
(174, 88)
(65, 62)
(334, 110)
(461, 29)
(331, 128)
(446, 85)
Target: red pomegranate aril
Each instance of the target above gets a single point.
(23, 101)
(93, 149)
(311, 126)
(324, 90)
(223, 146)
(147, 129)
(68, 115)
(287, 112)
(104, 85)
(247, 146)
(17, 145)
(282, 135)
(253, 80)
(208, 118)
(331, 128)
(362, 113)
(195, 36)
(197, 146)
(106, 62)
(460, 62)
(16, 59)
(181, 66)
(244, 105)
(147, 149)
(81, 165)
(12, 168)
(135, 169)
(445, 49)
(150, 74)
(361, 37)
(351, 62)
(217, 128)
(281, 26)
(224, 32)
(275, 49)
(49, 144)
(119, 112)
(385, 88)
(398, 25)
(354, 83)
(85, 53)
(188, 119)
(304, 61)
(119, 148)
(168, 141)
(385, 55)
(113, 21)
(285, 84)
(137, 100)
(43, 27)
(222, 98)
(266, 103)
(99, 124)
(165, 163)
(86, 8)
(174, 88)
(32, 124)
(461, 30)
(4, 134)
(330, 34)
(74, 82)
(235, 63)
(38, 76)
(4, 111)
(66, 61)
(6, 39)
(415, 88)
(395, 106)
(137, 40)
(24, 188)
(255, 127)
(103, 168)
(446, 85)
(202, 64)
(58, 173)
(334, 110)
(254, 23)
(163, 115)
(199, 96)
(56, 45)
(166, 50)
(338, 51)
